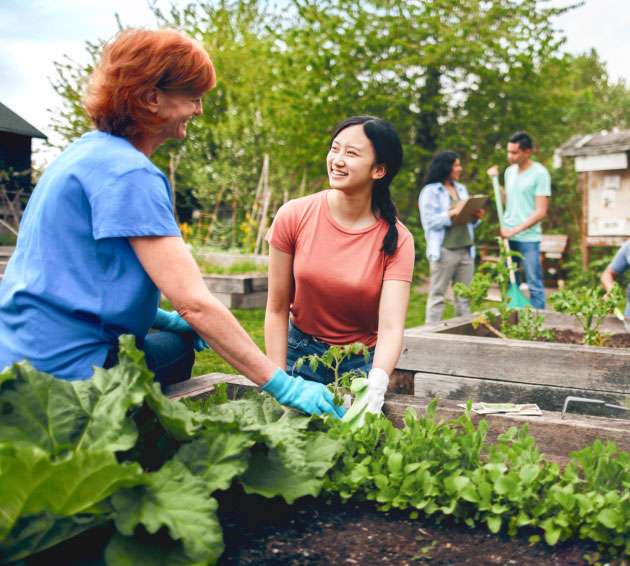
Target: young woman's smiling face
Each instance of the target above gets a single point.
(350, 161)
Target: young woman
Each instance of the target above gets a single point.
(450, 247)
(341, 264)
(98, 241)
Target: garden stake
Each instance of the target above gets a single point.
(517, 299)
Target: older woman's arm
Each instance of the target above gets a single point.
(174, 271)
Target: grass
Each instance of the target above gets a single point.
(252, 321)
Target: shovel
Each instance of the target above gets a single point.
(517, 299)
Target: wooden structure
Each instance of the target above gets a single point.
(240, 291)
(453, 360)
(555, 437)
(604, 181)
(15, 166)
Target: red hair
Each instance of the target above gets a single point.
(134, 63)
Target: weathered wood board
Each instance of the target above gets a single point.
(449, 348)
(236, 283)
(555, 437)
(551, 397)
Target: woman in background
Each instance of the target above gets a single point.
(450, 247)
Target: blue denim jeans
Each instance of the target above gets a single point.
(301, 344)
(533, 270)
(169, 355)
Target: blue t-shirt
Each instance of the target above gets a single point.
(620, 264)
(74, 284)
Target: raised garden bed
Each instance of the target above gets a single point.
(186, 453)
(453, 360)
(239, 291)
(555, 436)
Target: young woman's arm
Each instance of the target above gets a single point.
(280, 287)
(392, 312)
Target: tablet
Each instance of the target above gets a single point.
(473, 203)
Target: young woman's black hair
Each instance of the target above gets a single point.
(389, 153)
(440, 167)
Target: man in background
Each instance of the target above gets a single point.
(527, 191)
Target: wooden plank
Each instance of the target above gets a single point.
(555, 437)
(255, 300)
(536, 363)
(237, 283)
(553, 243)
(202, 386)
(428, 385)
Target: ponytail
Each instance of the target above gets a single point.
(382, 202)
(389, 153)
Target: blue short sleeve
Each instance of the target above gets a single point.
(621, 261)
(134, 204)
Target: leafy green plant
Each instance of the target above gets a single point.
(332, 359)
(74, 455)
(590, 307)
(528, 325)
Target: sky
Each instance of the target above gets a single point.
(35, 33)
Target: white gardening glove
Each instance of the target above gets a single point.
(378, 381)
(369, 396)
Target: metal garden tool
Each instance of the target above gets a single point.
(517, 299)
(571, 399)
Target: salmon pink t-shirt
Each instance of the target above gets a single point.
(338, 273)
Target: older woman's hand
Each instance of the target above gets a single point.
(172, 322)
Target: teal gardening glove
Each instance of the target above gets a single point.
(171, 321)
(307, 396)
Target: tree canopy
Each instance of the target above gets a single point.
(460, 76)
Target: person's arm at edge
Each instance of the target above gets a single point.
(391, 324)
(280, 286)
(608, 278)
(172, 268)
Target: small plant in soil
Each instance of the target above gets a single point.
(590, 307)
(529, 325)
(332, 359)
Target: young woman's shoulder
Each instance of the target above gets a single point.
(403, 232)
(300, 207)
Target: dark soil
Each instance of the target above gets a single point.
(261, 532)
(566, 336)
(268, 532)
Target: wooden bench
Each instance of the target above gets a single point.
(552, 250)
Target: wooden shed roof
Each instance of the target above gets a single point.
(12, 123)
(596, 144)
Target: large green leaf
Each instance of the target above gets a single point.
(32, 485)
(60, 416)
(276, 426)
(269, 476)
(34, 534)
(146, 551)
(176, 499)
(217, 457)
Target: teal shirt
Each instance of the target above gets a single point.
(521, 190)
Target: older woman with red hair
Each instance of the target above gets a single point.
(99, 241)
